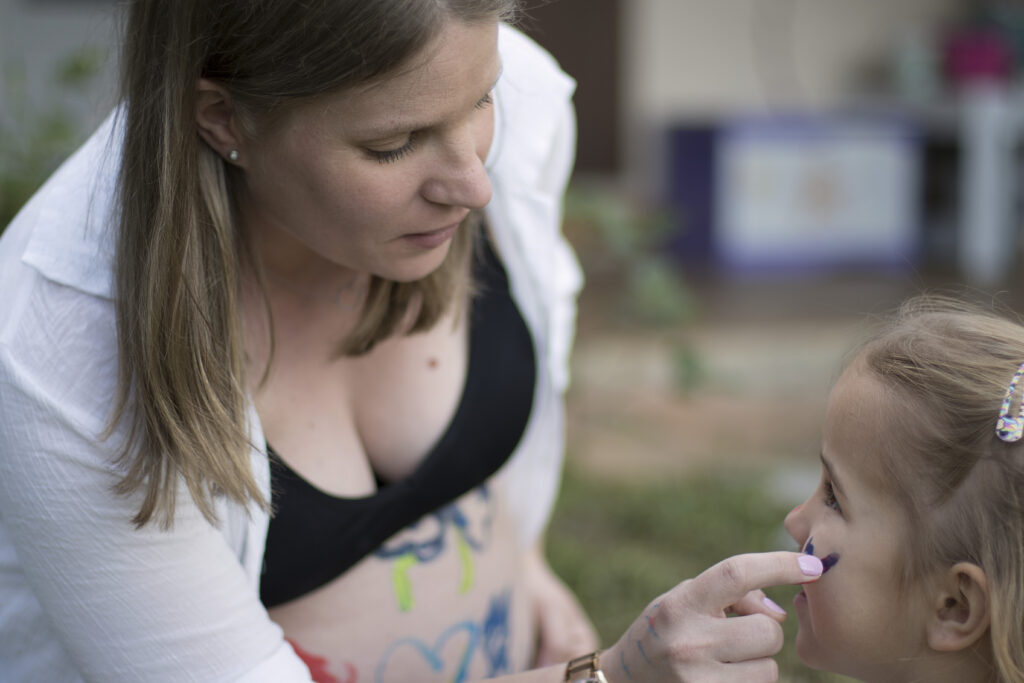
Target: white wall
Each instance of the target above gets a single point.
(689, 58)
(704, 59)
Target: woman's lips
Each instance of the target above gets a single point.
(432, 239)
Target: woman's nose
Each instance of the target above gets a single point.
(460, 179)
(797, 525)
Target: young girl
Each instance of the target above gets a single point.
(919, 516)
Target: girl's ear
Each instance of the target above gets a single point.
(961, 608)
(216, 120)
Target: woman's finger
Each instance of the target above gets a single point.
(741, 639)
(751, 671)
(756, 602)
(725, 584)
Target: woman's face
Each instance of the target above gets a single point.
(376, 178)
(855, 620)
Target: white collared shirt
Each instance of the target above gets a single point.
(86, 596)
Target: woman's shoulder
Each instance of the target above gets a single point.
(529, 66)
(57, 320)
(65, 232)
(58, 348)
(534, 141)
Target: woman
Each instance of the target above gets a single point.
(270, 282)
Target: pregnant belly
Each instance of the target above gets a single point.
(442, 600)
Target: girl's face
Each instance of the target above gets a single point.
(855, 620)
(376, 179)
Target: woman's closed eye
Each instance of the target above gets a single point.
(485, 101)
(388, 156)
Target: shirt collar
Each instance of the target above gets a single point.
(73, 237)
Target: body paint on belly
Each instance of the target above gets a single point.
(454, 651)
(827, 562)
(406, 553)
(317, 666)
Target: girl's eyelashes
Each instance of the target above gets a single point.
(485, 101)
(389, 156)
(830, 497)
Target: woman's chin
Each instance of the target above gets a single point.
(417, 266)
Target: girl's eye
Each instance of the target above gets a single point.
(485, 101)
(830, 497)
(389, 156)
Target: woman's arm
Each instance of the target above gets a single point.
(117, 603)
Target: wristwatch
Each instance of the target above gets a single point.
(585, 670)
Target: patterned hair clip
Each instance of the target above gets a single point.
(1011, 429)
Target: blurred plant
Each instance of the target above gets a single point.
(35, 137)
(633, 239)
(612, 234)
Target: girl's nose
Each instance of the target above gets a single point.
(797, 525)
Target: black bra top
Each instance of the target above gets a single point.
(315, 537)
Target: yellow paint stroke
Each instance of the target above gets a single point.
(466, 560)
(400, 580)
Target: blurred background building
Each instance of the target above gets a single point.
(780, 134)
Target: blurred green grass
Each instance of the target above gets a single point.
(620, 544)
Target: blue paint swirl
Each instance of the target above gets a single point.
(827, 562)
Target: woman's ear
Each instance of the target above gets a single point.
(216, 120)
(960, 613)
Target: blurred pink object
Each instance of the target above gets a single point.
(978, 55)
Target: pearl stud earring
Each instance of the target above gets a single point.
(233, 155)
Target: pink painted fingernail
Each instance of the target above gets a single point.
(810, 565)
(772, 605)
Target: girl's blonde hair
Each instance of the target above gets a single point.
(946, 366)
(181, 254)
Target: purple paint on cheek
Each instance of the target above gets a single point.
(827, 562)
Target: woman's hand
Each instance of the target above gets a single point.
(685, 636)
(564, 631)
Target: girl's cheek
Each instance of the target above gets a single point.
(828, 561)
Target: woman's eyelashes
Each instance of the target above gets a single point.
(389, 156)
(484, 102)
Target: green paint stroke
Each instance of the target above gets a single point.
(466, 560)
(400, 579)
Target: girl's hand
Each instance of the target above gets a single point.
(564, 631)
(685, 634)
